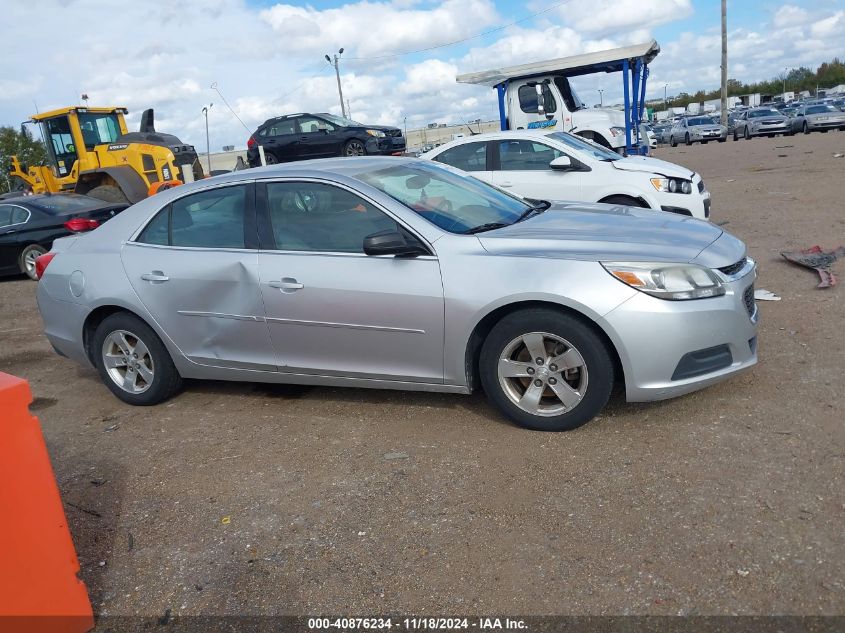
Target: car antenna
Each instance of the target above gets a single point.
(471, 131)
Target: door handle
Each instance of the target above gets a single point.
(286, 284)
(156, 277)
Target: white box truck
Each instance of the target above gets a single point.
(539, 95)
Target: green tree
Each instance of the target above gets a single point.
(18, 142)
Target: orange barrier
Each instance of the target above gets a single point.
(39, 588)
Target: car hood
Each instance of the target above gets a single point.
(774, 118)
(827, 115)
(652, 166)
(707, 126)
(382, 128)
(603, 232)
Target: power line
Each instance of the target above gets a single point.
(465, 39)
(217, 90)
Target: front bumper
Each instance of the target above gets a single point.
(774, 129)
(825, 125)
(656, 339)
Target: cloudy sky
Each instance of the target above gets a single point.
(266, 57)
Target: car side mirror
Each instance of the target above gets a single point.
(561, 163)
(390, 243)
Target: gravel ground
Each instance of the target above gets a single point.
(244, 499)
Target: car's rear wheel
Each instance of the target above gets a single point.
(26, 260)
(672, 141)
(546, 370)
(133, 362)
(736, 137)
(723, 139)
(354, 147)
(269, 158)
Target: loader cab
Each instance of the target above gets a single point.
(71, 134)
(61, 144)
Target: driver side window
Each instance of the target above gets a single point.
(311, 216)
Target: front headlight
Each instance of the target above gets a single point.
(376, 133)
(672, 185)
(674, 282)
(617, 131)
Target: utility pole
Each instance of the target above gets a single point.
(337, 73)
(348, 109)
(601, 97)
(207, 138)
(665, 101)
(724, 103)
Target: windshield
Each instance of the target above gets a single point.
(756, 114)
(452, 200)
(700, 121)
(818, 109)
(64, 203)
(341, 121)
(583, 145)
(98, 129)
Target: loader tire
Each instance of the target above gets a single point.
(108, 193)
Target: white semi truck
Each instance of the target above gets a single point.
(539, 95)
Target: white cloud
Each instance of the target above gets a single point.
(613, 16)
(789, 15)
(375, 28)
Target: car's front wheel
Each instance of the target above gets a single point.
(806, 128)
(546, 370)
(133, 362)
(26, 260)
(354, 148)
(672, 141)
(687, 139)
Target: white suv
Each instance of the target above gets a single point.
(562, 166)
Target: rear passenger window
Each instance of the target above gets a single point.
(5, 215)
(468, 156)
(209, 219)
(19, 215)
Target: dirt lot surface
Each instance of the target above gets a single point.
(245, 499)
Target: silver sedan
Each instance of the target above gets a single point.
(401, 274)
(819, 117)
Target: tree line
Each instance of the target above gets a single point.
(827, 75)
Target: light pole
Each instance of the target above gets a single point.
(601, 97)
(665, 101)
(785, 70)
(406, 129)
(337, 73)
(207, 140)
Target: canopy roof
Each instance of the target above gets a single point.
(600, 61)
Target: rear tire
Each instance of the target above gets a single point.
(269, 159)
(26, 260)
(546, 370)
(108, 193)
(723, 139)
(133, 362)
(736, 138)
(672, 141)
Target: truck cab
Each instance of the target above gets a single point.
(540, 95)
(549, 102)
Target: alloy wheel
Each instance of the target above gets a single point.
(128, 361)
(543, 374)
(355, 148)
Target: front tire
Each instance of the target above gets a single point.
(747, 134)
(806, 128)
(26, 260)
(133, 362)
(354, 147)
(546, 370)
(108, 193)
(687, 139)
(672, 141)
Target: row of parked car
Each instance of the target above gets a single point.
(748, 123)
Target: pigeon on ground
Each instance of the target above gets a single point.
(820, 261)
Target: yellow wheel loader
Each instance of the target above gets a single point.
(91, 152)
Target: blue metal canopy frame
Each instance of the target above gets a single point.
(633, 64)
